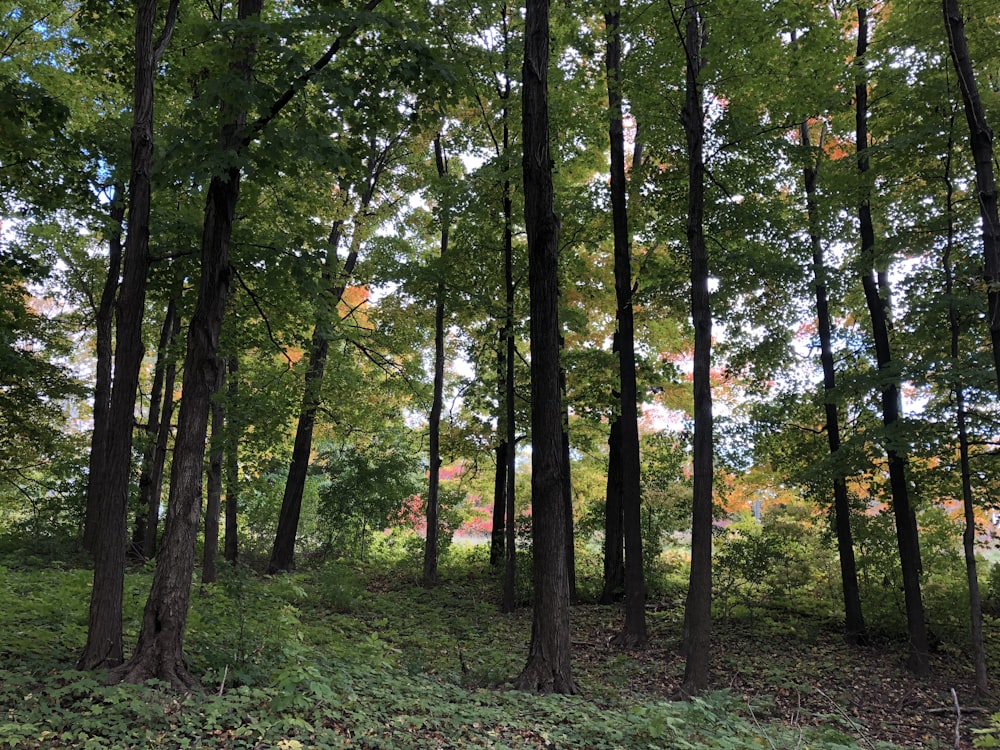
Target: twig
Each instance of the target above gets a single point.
(958, 720)
(222, 685)
(850, 720)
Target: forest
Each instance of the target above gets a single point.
(405, 373)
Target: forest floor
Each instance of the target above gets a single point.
(357, 657)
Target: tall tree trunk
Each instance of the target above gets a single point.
(981, 145)
(213, 483)
(500, 454)
(548, 668)
(567, 489)
(434, 479)
(231, 551)
(104, 632)
(283, 551)
(961, 418)
(855, 631)
(877, 297)
(160, 650)
(698, 606)
(152, 430)
(633, 634)
(614, 522)
(159, 462)
(104, 355)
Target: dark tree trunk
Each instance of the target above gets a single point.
(283, 551)
(855, 631)
(104, 632)
(548, 668)
(160, 650)
(981, 144)
(614, 523)
(231, 551)
(877, 297)
(213, 484)
(961, 417)
(434, 479)
(633, 634)
(499, 477)
(698, 606)
(152, 429)
(104, 354)
(156, 470)
(567, 491)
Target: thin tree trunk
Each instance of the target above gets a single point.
(614, 528)
(633, 634)
(698, 606)
(500, 474)
(567, 490)
(434, 480)
(104, 632)
(981, 145)
(855, 631)
(104, 354)
(213, 482)
(968, 501)
(231, 551)
(156, 395)
(548, 668)
(877, 297)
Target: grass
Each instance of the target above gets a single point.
(342, 657)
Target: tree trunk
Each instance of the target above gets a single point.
(104, 632)
(567, 490)
(156, 396)
(104, 354)
(698, 606)
(548, 668)
(877, 297)
(434, 483)
(499, 475)
(981, 144)
(152, 502)
(213, 482)
(283, 551)
(633, 634)
(855, 631)
(961, 418)
(231, 551)
(614, 529)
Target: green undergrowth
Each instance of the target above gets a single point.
(339, 657)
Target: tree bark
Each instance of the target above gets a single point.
(231, 551)
(152, 430)
(981, 145)
(548, 668)
(698, 605)
(434, 479)
(104, 355)
(213, 482)
(104, 632)
(633, 634)
(614, 529)
(876, 291)
(855, 631)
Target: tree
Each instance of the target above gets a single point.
(634, 632)
(548, 668)
(981, 146)
(213, 481)
(698, 605)
(875, 283)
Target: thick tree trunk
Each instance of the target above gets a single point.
(156, 396)
(698, 606)
(548, 668)
(104, 632)
(213, 482)
(981, 145)
(855, 631)
(614, 524)
(961, 418)
(104, 355)
(434, 479)
(231, 551)
(877, 297)
(283, 551)
(633, 634)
